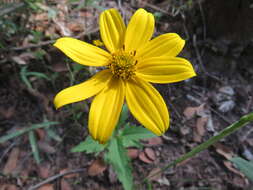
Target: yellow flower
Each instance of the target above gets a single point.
(132, 62)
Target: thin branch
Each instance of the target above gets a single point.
(52, 178)
(45, 43)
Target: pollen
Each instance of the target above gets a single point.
(122, 64)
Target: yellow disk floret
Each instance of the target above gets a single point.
(122, 64)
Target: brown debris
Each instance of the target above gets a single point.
(97, 167)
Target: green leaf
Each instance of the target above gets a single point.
(88, 146)
(25, 130)
(132, 134)
(34, 146)
(123, 116)
(244, 166)
(52, 134)
(118, 158)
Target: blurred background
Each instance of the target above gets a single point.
(35, 139)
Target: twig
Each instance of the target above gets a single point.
(12, 8)
(52, 178)
(45, 43)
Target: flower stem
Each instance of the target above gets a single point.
(225, 132)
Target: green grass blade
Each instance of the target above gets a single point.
(34, 146)
(225, 132)
(25, 130)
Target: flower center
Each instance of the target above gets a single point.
(122, 64)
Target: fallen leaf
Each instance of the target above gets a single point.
(190, 112)
(155, 141)
(44, 170)
(97, 167)
(11, 164)
(226, 106)
(230, 167)
(41, 133)
(150, 153)
(65, 185)
(46, 187)
(133, 153)
(224, 150)
(200, 130)
(143, 157)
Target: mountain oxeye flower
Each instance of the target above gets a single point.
(131, 62)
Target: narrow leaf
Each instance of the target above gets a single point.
(88, 146)
(123, 115)
(244, 166)
(25, 130)
(34, 146)
(118, 158)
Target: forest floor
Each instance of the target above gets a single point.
(219, 44)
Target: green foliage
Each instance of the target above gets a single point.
(244, 166)
(118, 158)
(31, 135)
(89, 146)
(34, 146)
(24, 74)
(132, 134)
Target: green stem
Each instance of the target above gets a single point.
(225, 132)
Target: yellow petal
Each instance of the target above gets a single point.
(170, 44)
(139, 30)
(147, 106)
(105, 110)
(112, 29)
(165, 69)
(82, 52)
(84, 90)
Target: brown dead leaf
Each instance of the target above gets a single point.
(97, 167)
(150, 153)
(224, 150)
(230, 167)
(41, 133)
(75, 27)
(154, 175)
(46, 187)
(133, 153)
(65, 185)
(69, 175)
(155, 141)
(190, 112)
(200, 125)
(143, 157)
(44, 170)
(8, 187)
(200, 129)
(11, 164)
